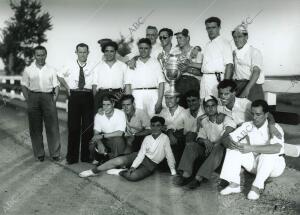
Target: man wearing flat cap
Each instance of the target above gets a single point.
(248, 73)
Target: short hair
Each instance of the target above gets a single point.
(40, 48)
(192, 93)
(150, 27)
(227, 83)
(244, 33)
(145, 40)
(168, 30)
(213, 19)
(213, 98)
(109, 98)
(127, 97)
(109, 43)
(82, 45)
(261, 103)
(199, 48)
(157, 119)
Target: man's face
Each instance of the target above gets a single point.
(182, 40)
(107, 106)
(171, 101)
(156, 127)
(40, 57)
(82, 54)
(152, 35)
(211, 108)
(259, 117)
(164, 38)
(239, 39)
(127, 106)
(110, 53)
(226, 96)
(144, 50)
(193, 103)
(213, 30)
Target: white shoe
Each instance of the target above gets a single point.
(114, 171)
(87, 173)
(253, 195)
(229, 190)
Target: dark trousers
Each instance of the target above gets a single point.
(80, 125)
(184, 84)
(41, 108)
(255, 93)
(117, 93)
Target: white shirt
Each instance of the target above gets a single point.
(257, 136)
(70, 73)
(216, 54)
(198, 59)
(110, 77)
(40, 80)
(156, 150)
(145, 75)
(241, 111)
(244, 61)
(213, 131)
(117, 122)
(178, 120)
(191, 122)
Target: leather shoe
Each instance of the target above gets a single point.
(181, 181)
(193, 184)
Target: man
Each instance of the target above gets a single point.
(103, 41)
(78, 77)
(255, 150)
(248, 72)
(40, 89)
(207, 147)
(146, 81)
(155, 148)
(217, 59)
(109, 75)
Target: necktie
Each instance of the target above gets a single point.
(81, 81)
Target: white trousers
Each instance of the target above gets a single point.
(263, 165)
(209, 85)
(146, 100)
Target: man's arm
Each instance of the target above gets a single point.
(128, 90)
(254, 77)
(262, 149)
(228, 71)
(25, 92)
(158, 105)
(94, 89)
(140, 157)
(56, 93)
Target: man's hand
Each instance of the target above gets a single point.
(208, 146)
(100, 111)
(158, 107)
(97, 137)
(55, 97)
(131, 170)
(229, 143)
(220, 118)
(68, 93)
(245, 148)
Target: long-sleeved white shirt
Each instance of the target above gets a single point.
(156, 150)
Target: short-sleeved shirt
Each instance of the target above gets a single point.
(191, 122)
(70, 73)
(213, 131)
(117, 122)
(244, 61)
(110, 77)
(139, 121)
(145, 75)
(177, 121)
(40, 80)
(216, 54)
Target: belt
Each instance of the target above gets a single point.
(81, 90)
(110, 89)
(149, 88)
(213, 73)
(41, 92)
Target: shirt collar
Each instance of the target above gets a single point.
(242, 51)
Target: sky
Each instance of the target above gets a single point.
(274, 28)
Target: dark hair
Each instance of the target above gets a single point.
(200, 49)
(82, 45)
(227, 83)
(213, 98)
(145, 40)
(40, 48)
(151, 27)
(109, 98)
(245, 34)
(109, 43)
(157, 119)
(192, 93)
(261, 103)
(168, 30)
(213, 19)
(127, 97)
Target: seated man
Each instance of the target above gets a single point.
(255, 150)
(207, 146)
(108, 130)
(154, 149)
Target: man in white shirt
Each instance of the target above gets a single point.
(109, 75)
(40, 89)
(78, 77)
(248, 73)
(255, 150)
(217, 59)
(155, 148)
(146, 81)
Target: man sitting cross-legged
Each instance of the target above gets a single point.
(207, 146)
(154, 149)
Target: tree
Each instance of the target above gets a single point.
(23, 31)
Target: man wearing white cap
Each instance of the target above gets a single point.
(248, 73)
